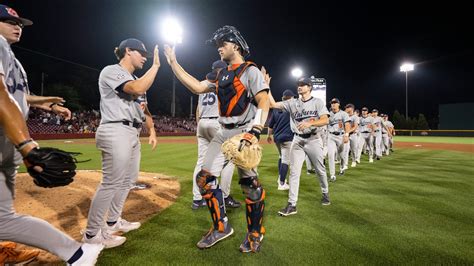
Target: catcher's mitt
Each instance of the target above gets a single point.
(51, 167)
(243, 150)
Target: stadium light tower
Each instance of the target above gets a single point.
(406, 67)
(296, 72)
(173, 34)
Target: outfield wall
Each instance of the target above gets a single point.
(438, 133)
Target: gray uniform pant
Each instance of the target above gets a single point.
(206, 131)
(284, 151)
(353, 147)
(386, 143)
(378, 144)
(26, 229)
(366, 139)
(336, 146)
(120, 147)
(313, 147)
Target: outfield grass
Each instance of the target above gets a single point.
(450, 140)
(414, 207)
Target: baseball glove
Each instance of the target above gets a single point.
(51, 167)
(243, 150)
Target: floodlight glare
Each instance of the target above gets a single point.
(407, 67)
(172, 31)
(297, 72)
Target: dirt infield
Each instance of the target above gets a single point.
(67, 207)
(436, 146)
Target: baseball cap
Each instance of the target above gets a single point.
(350, 105)
(219, 64)
(375, 111)
(134, 44)
(288, 93)
(304, 81)
(335, 100)
(9, 13)
(365, 109)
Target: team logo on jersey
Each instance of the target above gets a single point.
(12, 12)
(226, 77)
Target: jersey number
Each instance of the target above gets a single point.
(209, 99)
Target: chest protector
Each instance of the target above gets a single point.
(232, 95)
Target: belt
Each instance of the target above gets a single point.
(365, 132)
(136, 125)
(212, 117)
(384, 133)
(336, 133)
(305, 136)
(377, 131)
(233, 125)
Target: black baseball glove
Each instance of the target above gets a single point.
(51, 167)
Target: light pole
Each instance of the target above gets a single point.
(405, 68)
(173, 34)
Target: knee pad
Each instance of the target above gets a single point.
(206, 182)
(252, 188)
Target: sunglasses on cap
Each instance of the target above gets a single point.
(13, 22)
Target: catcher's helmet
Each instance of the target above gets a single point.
(229, 34)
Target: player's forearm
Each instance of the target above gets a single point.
(190, 82)
(11, 119)
(322, 121)
(347, 128)
(273, 103)
(143, 84)
(263, 105)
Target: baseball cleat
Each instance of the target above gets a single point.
(371, 160)
(123, 225)
(213, 236)
(285, 186)
(10, 256)
(90, 253)
(288, 210)
(198, 204)
(378, 158)
(105, 238)
(358, 161)
(332, 178)
(341, 172)
(353, 164)
(251, 243)
(311, 171)
(231, 203)
(325, 199)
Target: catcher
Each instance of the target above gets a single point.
(49, 167)
(243, 106)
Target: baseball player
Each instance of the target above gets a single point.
(387, 134)
(243, 106)
(15, 142)
(279, 126)
(308, 115)
(353, 134)
(378, 126)
(338, 128)
(207, 114)
(366, 134)
(117, 137)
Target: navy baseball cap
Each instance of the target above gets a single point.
(134, 44)
(335, 100)
(375, 111)
(365, 109)
(304, 81)
(7, 13)
(350, 105)
(219, 64)
(288, 93)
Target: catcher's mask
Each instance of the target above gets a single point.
(229, 34)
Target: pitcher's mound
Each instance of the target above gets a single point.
(66, 207)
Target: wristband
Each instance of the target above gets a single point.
(23, 144)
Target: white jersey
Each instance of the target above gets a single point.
(377, 123)
(387, 124)
(301, 111)
(207, 105)
(365, 123)
(354, 120)
(337, 121)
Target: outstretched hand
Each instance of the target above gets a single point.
(156, 57)
(170, 54)
(266, 76)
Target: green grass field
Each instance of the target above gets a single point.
(450, 140)
(413, 207)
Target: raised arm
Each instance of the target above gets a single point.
(190, 82)
(141, 85)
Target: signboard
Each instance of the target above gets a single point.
(319, 88)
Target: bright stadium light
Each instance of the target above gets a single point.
(406, 67)
(297, 72)
(172, 31)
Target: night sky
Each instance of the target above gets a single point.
(357, 47)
